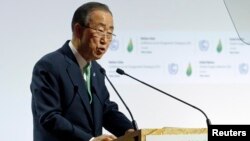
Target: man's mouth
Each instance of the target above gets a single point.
(101, 50)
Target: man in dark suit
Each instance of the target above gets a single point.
(70, 101)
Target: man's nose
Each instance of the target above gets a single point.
(104, 39)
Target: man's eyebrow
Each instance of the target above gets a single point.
(104, 25)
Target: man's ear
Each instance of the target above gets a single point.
(78, 30)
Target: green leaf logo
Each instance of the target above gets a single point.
(219, 47)
(130, 46)
(189, 70)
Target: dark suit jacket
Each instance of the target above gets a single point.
(60, 102)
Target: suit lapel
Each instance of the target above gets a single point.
(97, 95)
(77, 80)
(76, 77)
(95, 101)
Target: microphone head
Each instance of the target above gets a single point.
(120, 71)
(102, 70)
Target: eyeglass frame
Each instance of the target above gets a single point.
(101, 33)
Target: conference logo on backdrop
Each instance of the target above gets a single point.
(114, 45)
(219, 47)
(130, 46)
(189, 70)
(243, 68)
(203, 45)
(173, 68)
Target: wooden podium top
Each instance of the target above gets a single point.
(141, 134)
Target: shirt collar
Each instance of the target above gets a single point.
(80, 60)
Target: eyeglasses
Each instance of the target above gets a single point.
(102, 33)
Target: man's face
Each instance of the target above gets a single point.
(97, 35)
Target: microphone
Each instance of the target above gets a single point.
(102, 70)
(121, 72)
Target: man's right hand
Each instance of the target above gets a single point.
(105, 138)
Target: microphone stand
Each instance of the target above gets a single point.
(133, 120)
(121, 72)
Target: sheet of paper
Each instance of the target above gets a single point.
(191, 137)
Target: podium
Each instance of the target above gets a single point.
(141, 134)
